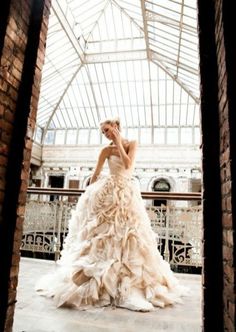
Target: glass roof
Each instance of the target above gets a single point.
(135, 59)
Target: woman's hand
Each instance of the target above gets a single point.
(116, 136)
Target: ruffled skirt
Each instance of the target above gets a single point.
(110, 254)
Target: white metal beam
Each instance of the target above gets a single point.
(152, 16)
(59, 101)
(175, 78)
(59, 13)
(180, 36)
(127, 14)
(130, 55)
(145, 28)
(164, 59)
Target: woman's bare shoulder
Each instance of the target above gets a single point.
(132, 143)
(106, 150)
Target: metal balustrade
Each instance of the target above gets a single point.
(178, 229)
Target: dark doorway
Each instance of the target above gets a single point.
(55, 181)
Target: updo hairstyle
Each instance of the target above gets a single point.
(111, 122)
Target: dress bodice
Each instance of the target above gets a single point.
(117, 167)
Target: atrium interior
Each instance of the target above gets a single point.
(133, 60)
(166, 70)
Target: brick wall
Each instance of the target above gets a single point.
(227, 156)
(20, 76)
(212, 210)
(218, 105)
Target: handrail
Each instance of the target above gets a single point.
(188, 196)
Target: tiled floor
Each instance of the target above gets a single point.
(35, 313)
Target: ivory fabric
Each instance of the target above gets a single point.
(110, 254)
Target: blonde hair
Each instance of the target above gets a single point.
(111, 122)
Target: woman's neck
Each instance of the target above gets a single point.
(123, 140)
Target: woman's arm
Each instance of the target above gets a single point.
(101, 159)
(126, 157)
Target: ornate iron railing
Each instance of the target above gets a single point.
(178, 229)
(179, 233)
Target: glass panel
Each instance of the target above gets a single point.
(162, 116)
(94, 136)
(49, 137)
(38, 134)
(159, 135)
(83, 136)
(161, 185)
(176, 115)
(71, 136)
(133, 134)
(145, 136)
(172, 136)
(186, 136)
(60, 137)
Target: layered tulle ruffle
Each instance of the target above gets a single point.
(110, 255)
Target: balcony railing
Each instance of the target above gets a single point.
(178, 228)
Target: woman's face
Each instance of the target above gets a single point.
(107, 131)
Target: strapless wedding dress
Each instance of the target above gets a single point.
(110, 254)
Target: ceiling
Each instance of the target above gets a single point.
(132, 59)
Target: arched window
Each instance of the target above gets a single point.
(160, 185)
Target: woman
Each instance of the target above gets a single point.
(110, 254)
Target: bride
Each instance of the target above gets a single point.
(110, 254)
